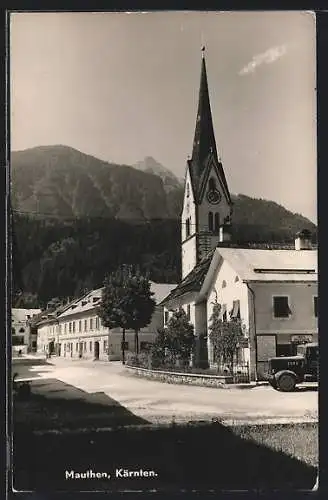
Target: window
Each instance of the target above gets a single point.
(315, 306)
(73, 326)
(145, 346)
(80, 326)
(281, 307)
(85, 325)
(210, 221)
(187, 227)
(85, 346)
(90, 345)
(166, 317)
(217, 222)
(91, 324)
(188, 312)
(60, 329)
(235, 313)
(105, 345)
(18, 340)
(21, 330)
(13, 331)
(76, 346)
(65, 328)
(188, 190)
(224, 312)
(70, 327)
(125, 345)
(97, 323)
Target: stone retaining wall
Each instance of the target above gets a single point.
(181, 378)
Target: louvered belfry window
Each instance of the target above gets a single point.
(210, 221)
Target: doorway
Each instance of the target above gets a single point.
(51, 347)
(96, 350)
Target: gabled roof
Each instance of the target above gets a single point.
(92, 299)
(272, 265)
(193, 281)
(21, 315)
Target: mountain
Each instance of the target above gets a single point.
(77, 218)
(151, 166)
(61, 181)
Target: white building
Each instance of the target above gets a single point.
(273, 291)
(77, 331)
(23, 336)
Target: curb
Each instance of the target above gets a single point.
(174, 425)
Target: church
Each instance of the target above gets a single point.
(273, 291)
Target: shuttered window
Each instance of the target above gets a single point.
(281, 307)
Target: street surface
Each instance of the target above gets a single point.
(158, 402)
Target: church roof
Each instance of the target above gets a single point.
(204, 144)
(193, 281)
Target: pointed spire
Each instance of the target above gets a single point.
(204, 140)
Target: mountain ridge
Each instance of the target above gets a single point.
(94, 216)
(38, 169)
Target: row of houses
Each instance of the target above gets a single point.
(76, 330)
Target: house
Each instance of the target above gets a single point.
(272, 290)
(76, 330)
(23, 335)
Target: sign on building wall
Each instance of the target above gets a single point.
(301, 339)
(266, 347)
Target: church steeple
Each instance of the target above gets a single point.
(207, 207)
(204, 143)
(204, 139)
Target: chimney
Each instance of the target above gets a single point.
(303, 240)
(225, 233)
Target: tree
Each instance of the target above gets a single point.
(140, 305)
(224, 336)
(180, 338)
(126, 302)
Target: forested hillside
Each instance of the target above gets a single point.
(77, 218)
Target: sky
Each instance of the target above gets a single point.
(122, 86)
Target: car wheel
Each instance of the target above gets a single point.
(273, 384)
(286, 382)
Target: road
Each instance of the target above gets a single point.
(158, 402)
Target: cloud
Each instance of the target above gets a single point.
(267, 57)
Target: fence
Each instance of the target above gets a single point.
(239, 372)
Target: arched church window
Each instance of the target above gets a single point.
(21, 330)
(210, 221)
(187, 227)
(217, 222)
(212, 184)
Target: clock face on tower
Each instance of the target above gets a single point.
(213, 196)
